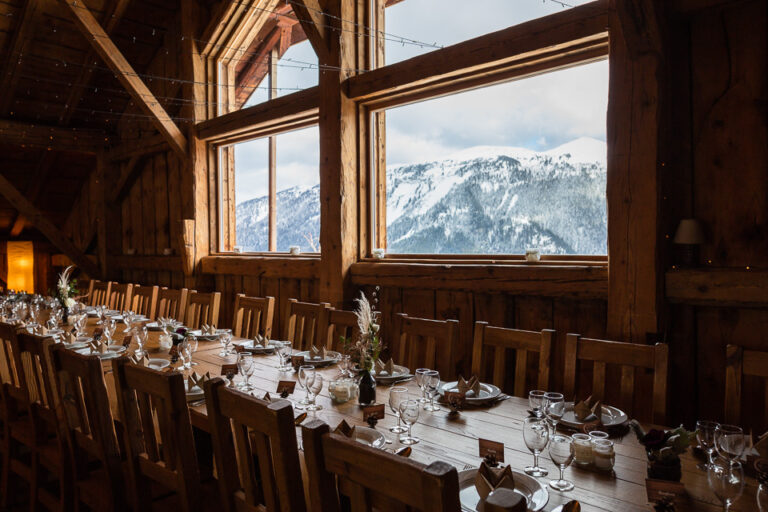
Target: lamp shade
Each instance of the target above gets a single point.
(21, 275)
(689, 232)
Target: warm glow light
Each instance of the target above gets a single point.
(21, 276)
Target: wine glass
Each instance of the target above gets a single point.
(141, 334)
(729, 441)
(34, 314)
(305, 378)
(284, 355)
(313, 390)
(726, 479)
(554, 408)
(109, 329)
(245, 366)
(431, 384)
(128, 318)
(225, 338)
(409, 412)
(705, 434)
(762, 497)
(419, 373)
(80, 320)
(536, 436)
(561, 453)
(397, 394)
(536, 402)
(344, 364)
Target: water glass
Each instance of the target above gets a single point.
(762, 497)
(409, 412)
(344, 364)
(128, 318)
(419, 373)
(536, 402)
(190, 347)
(561, 453)
(313, 390)
(397, 394)
(284, 355)
(34, 314)
(225, 338)
(109, 328)
(705, 434)
(554, 408)
(431, 385)
(141, 334)
(726, 479)
(305, 378)
(80, 321)
(729, 441)
(245, 367)
(536, 436)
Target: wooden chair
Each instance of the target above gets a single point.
(50, 455)
(252, 316)
(427, 343)
(144, 300)
(99, 480)
(120, 296)
(172, 303)
(254, 443)
(304, 323)
(628, 356)
(341, 323)
(202, 308)
(159, 445)
(740, 362)
(522, 342)
(373, 479)
(98, 293)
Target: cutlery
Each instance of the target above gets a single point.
(405, 451)
(301, 417)
(197, 402)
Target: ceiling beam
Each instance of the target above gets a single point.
(21, 37)
(93, 32)
(640, 27)
(111, 17)
(52, 137)
(315, 24)
(44, 167)
(256, 68)
(46, 227)
(128, 174)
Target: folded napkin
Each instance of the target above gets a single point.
(97, 346)
(208, 329)
(344, 429)
(317, 353)
(260, 341)
(267, 398)
(196, 380)
(473, 384)
(382, 367)
(489, 479)
(141, 361)
(586, 408)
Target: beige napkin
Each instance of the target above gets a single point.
(141, 361)
(317, 353)
(473, 384)
(208, 329)
(489, 479)
(196, 380)
(587, 408)
(97, 346)
(382, 367)
(344, 429)
(260, 341)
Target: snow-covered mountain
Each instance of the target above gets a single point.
(479, 200)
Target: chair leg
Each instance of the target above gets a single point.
(34, 483)
(6, 473)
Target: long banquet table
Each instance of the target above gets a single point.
(456, 440)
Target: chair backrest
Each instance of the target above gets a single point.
(427, 343)
(38, 373)
(202, 308)
(98, 292)
(499, 340)
(144, 300)
(252, 316)
(373, 479)
(628, 356)
(15, 399)
(82, 393)
(341, 323)
(120, 296)
(254, 443)
(159, 443)
(172, 303)
(740, 362)
(305, 323)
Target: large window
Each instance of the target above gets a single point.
(501, 169)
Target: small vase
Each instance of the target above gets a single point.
(367, 387)
(665, 469)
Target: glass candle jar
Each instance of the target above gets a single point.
(343, 390)
(604, 456)
(598, 434)
(582, 449)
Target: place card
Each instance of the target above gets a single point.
(98, 333)
(127, 340)
(239, 348)
(229, 369)
(659, 490)
(297, 361)
(491, 448)
(286, 386)
(375, 411)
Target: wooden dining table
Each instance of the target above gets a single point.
(454, 438)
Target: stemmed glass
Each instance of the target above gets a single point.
(705, 433)
(313, 390)
(536, 436)
(726, 479)
(284, 351)
(190, 347)
(397, 394)
(554, 408)
(561, 453)
(419, 373)
(305, 378)
(729, 441)
(245, 366)
(141, 333)
(409, 412)
(344, 364)
(34, 313)
(225, 338)
(128, 318)
(536, 402)
(80, 320)
(431, 384)
(762, 496)
(109, 329)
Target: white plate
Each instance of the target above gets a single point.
(331, 357)
(248, 345)
(77, 345)
(399, 372)
(611, 417)
(197, 333)
(195, 393)
(369, 437)
(154, 326)
(158, 364)
(530, 488)
(488, 392)
(112, 352)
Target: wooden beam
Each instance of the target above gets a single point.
(22, 34)
(46, 227)
(301, 106)
(273, 56)
(123, 262)
(316, 25)
(42, 171)
(722, 287)
(110, 18)
(128, 174)
(101, 42)
(142, 146)
(257, 67)
(298, 267)
(692, 6)
(51, 137)
(640, 27)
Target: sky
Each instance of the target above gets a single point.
(537, 113)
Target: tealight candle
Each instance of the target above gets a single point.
(531, 255)
(604, 455)
(582, 449)
(598, 434)
(379, 253)
(295, 250)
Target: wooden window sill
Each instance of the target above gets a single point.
(304, 266)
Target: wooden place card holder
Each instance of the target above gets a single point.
(375, 411)
(229, 369)
(285, 386)
(491, 448)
